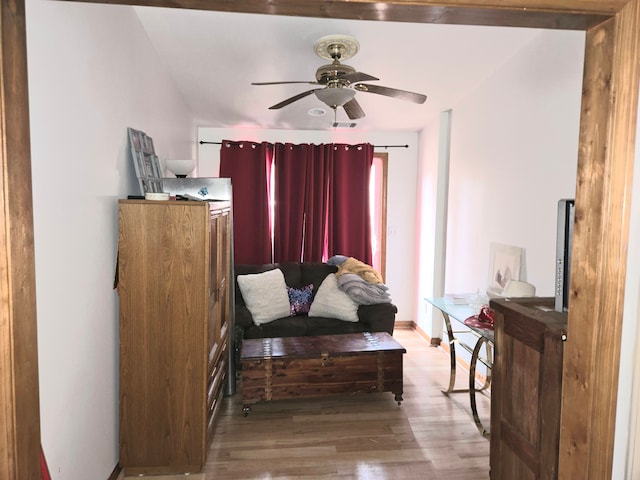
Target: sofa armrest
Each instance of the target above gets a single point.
(243, 316)
(380, 317)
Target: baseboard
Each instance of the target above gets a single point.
(403, 324)
(117, 474)
(434, 342)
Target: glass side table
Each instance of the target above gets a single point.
(459, 312)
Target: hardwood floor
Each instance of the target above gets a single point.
(359, 437)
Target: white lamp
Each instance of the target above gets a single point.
(335, 97)
(181, 168)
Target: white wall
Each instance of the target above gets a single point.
(513, 156)
(514, 145)
(627, 433)
(92, 74)
(401, 191)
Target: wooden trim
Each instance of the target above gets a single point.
(20, 412)
(606, 154)
(383, 221)
(598, 269)
(433, 341)
(566, 14)
(404, 324)
(117, 474)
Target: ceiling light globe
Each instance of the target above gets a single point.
(335, 97)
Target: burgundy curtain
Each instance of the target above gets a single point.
(317, 204)
(322, 202)
(248, 165)
(349, 219)
(291, 163)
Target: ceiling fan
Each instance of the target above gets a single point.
(340, 82)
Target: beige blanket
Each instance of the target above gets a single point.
(353, 265)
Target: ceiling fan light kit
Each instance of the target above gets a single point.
(334, 97)
(341, 46)
(341, 82)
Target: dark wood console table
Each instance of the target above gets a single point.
(527, 388)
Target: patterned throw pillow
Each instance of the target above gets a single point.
(300, 299)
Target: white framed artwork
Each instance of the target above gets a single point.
(506, 263)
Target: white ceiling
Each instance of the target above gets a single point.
(214, 56)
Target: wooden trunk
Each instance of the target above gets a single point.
(295, 367)
(527, 389)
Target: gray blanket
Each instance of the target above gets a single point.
(363, 292)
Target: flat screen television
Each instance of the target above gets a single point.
(564, 240)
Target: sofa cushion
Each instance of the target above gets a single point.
(331, 302)
(300, 299)
(315, 273)
(265, 295)
(332, 326)
(282, 327)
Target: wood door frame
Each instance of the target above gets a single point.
(603, 195)
(384, 156)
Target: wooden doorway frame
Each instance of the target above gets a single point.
(605, 164)
(384, 156)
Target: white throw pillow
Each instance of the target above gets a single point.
(331, 302)
(265, 295)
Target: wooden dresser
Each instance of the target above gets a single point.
(173, 275)
(526, 391)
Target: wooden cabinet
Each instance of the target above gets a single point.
(527, 389)
(173, 277)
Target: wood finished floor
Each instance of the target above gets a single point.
(430, 436)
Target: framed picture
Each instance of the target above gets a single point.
(138, 162)
(149, 144)
(134, 137)
(145, 161)
(505, 263)
(153, 185)
(155, 166)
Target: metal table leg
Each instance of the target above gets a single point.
(452, 356)
(472, 380)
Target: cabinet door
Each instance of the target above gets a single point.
(219, 298)
(214, 287)
(163, 307)
(218, 312)
(525, 399)
(224, 262)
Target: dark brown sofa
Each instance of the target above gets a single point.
(371, 318)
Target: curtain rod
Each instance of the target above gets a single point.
(202, 142)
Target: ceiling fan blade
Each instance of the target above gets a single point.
(353, 110)
(286, 102)
(358, 77)
(283, 83)
(392, 92)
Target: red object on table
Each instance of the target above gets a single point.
(483, 320)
